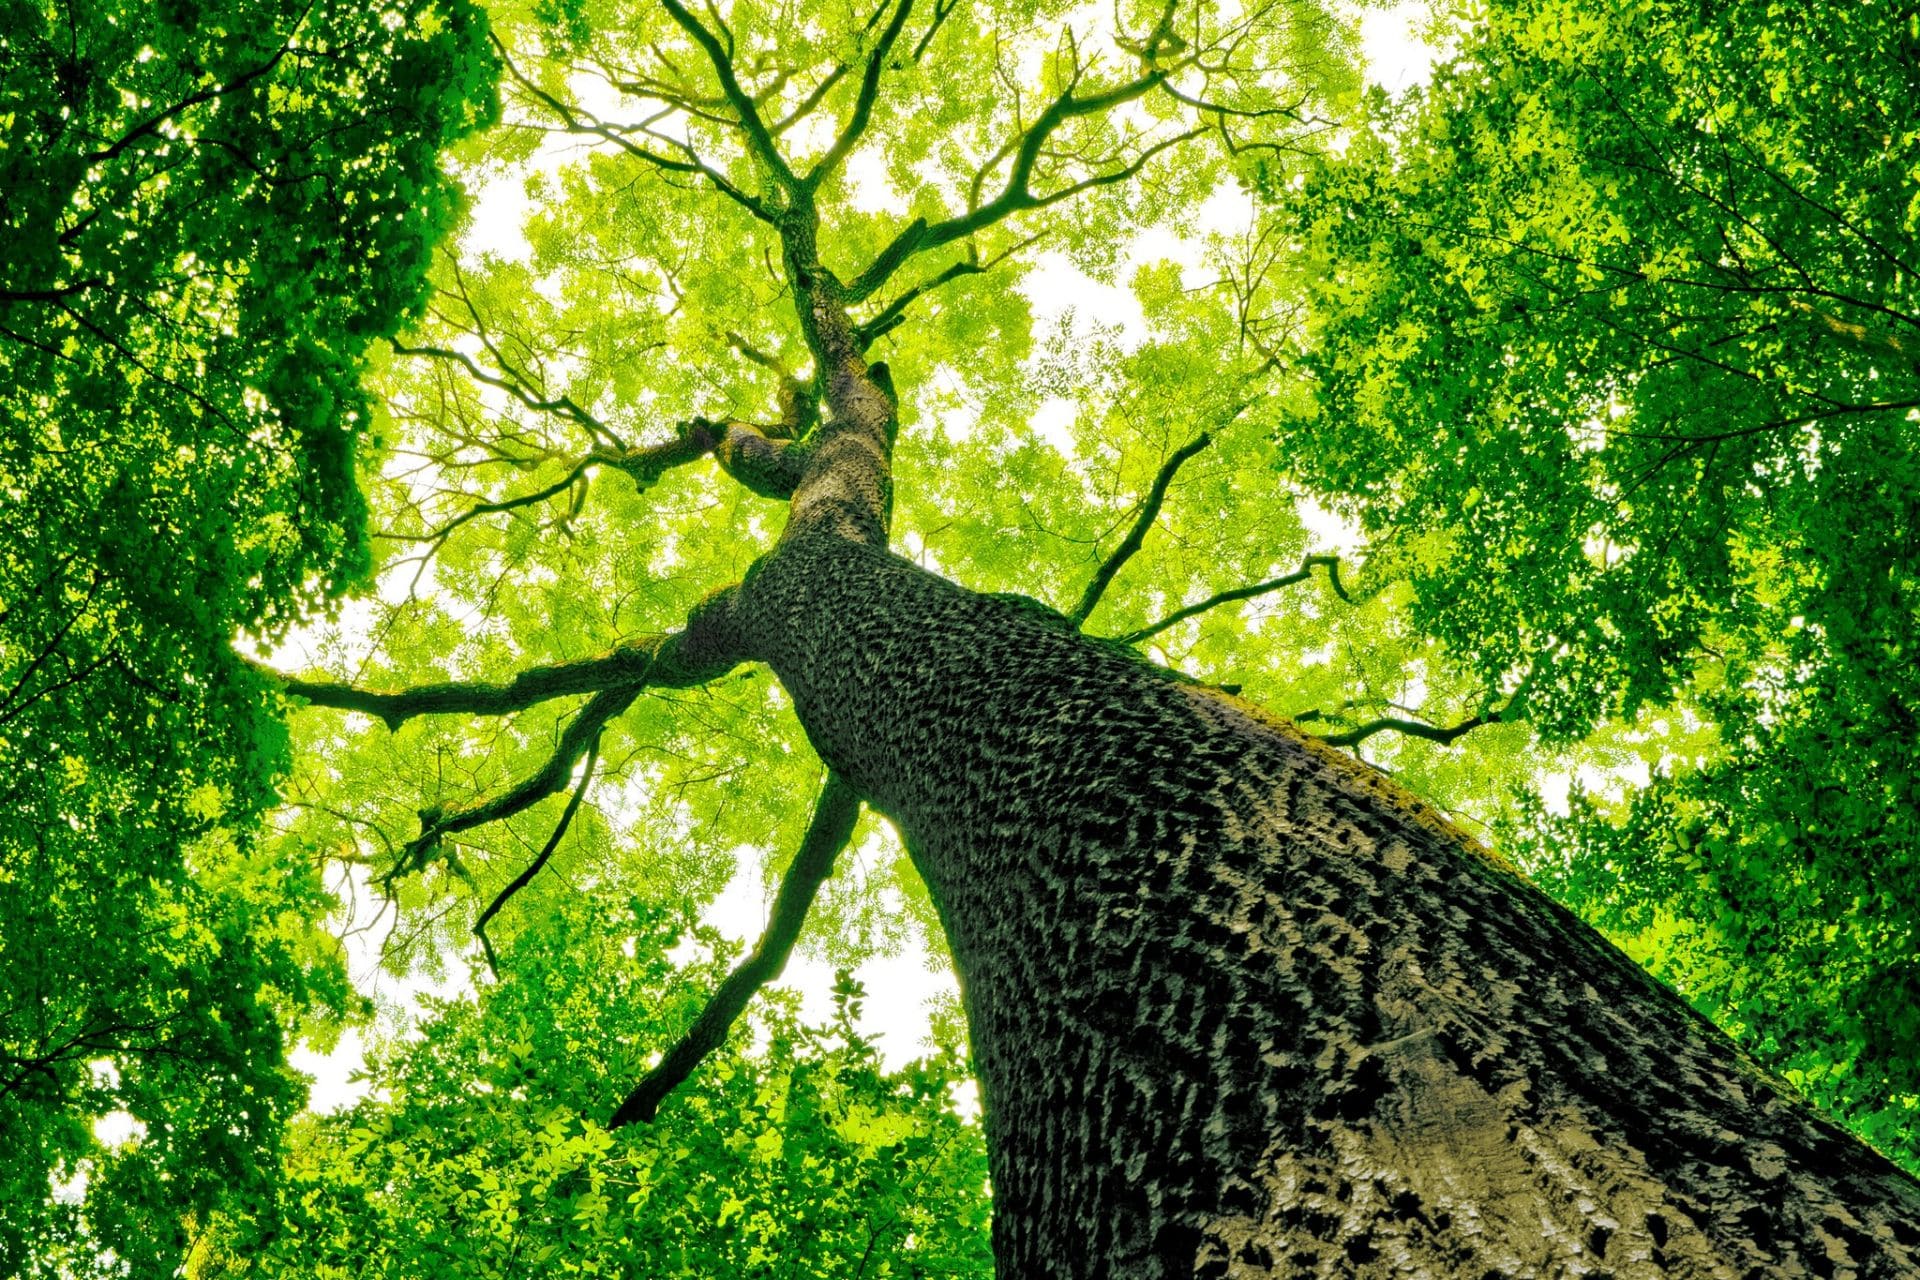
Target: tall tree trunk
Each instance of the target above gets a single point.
(1241, 1007)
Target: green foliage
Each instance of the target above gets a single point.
(479, 1151)
(1604, 343)
(209, 211)
(1617, 347)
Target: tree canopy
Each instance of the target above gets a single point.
(1603, 344)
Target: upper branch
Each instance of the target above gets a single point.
(919, 235)
(579, 121)
(1149, 510)
(863, 103)
(827, 833)
(758, 136)
(1330, 563)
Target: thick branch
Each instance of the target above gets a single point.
(632, 666)
(1149, 510)
(828, 832)
(770, 468)
(1305, 571)
(894, 313)
(677, 660)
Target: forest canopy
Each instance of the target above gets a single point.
(1543, 434)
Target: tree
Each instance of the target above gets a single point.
(210, 212)
(1238, 1004)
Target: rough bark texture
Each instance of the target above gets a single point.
(1241, 1008)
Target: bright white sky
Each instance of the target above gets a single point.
(899, 988)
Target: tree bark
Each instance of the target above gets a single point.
(1241, 1007)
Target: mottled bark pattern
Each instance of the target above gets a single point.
(1238, 1012)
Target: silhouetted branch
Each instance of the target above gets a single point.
(1149, 509)
(575, 741)
(532, 869)
(1305, 571)
(827, 833)
(1412, 728)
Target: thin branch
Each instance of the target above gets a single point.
(1149, 510)
(532, 869)
(941, 8)
(743, 451)
(1330, 563)
(574, 475)
(721, 57)
(562, 406)
(893, 314)
(54, 294)
(578, 121)
(152, 124)
(863, 104)
(834, 815)
(809, 103)
(575, 741)
(919, 235)
(1412, 728)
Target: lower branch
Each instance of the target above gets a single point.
(1412, 728)
(579, 737)
(700, 652)
(831, 827)
(532, 869)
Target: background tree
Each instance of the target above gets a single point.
(1618, 352)
(209, 211)
(552, 724)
